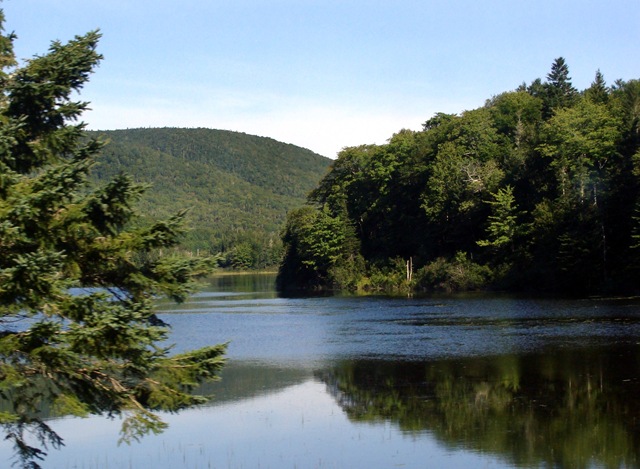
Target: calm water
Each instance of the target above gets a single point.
(373, 382)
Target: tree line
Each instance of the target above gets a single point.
(237, 187)
(539, 189)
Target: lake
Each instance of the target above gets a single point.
(474, 380)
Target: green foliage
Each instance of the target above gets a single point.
(581, 141)
(598, 92)
(322, 249)
(237, 187)
(558, 90)
(389, 277)
(78, 271)
(503, 220)
(539, 188)
(457, 274)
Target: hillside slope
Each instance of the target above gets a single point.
(238, 187)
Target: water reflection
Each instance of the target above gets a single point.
(374, 382)
(247, 283)
(246, 380)
(562, 408)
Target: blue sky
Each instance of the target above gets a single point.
(323, 74)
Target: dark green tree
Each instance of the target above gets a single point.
(569, 158)
(462, 173)
(626, 96)
(598, 92)
(559, 92)
(78, 333)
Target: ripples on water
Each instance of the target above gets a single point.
(327, 328)
(377, 382)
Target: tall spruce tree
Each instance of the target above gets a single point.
(598, 92)
(559, 92)
(78, 333)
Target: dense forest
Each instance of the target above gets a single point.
(238, 187)
(539, 189)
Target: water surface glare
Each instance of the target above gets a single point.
(489, 381)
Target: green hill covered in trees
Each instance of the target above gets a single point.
(538, 189)
(238, 187)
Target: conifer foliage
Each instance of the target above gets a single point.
(78, 333)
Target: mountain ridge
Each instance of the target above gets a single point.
(237, 186)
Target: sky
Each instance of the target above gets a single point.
(323, 74)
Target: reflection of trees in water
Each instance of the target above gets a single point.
(245, 380)
(239, 381)
(245, 282)
(565, 409)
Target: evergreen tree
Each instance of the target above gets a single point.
(559, 92)
(77, 328)
(598, 92)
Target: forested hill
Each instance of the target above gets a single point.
(238, 187)
(537, 189)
